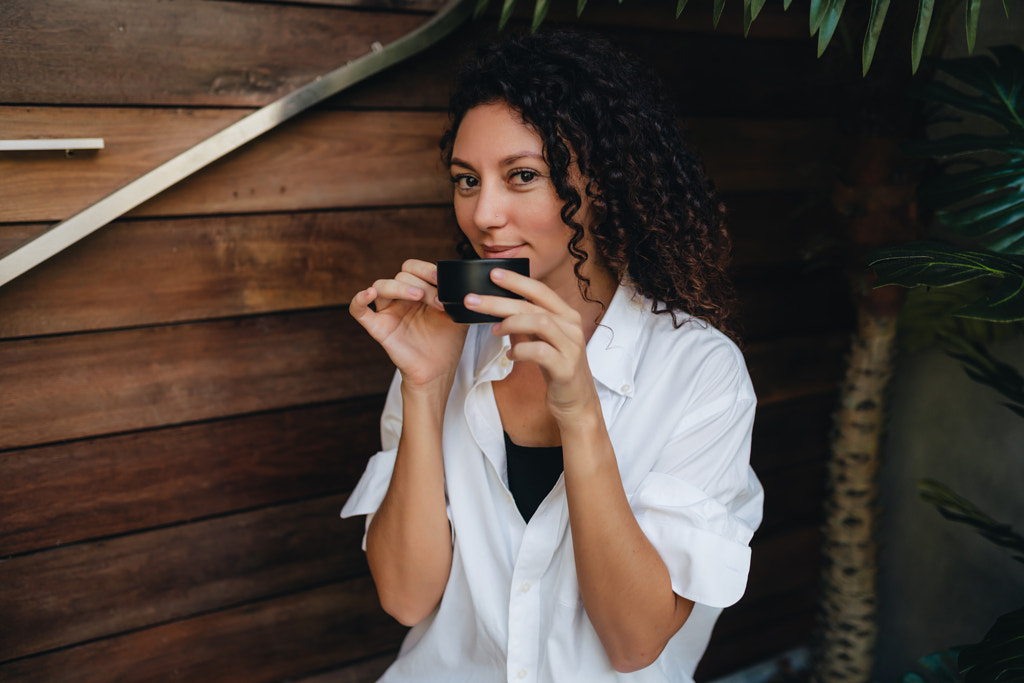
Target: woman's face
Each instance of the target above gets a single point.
(505, 201)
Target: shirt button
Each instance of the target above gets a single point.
(626, 388)
(525, 588)
(521, 673)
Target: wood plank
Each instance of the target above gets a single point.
(160, 477)
(769, 296)
(793, 497)
(77, 386)
(329, 159)
(141, 272)
(779, 228)
(319, 159)
(277, 639)
(787, 369)
(85, 591)
(792, 432)
(366, 671)
(185, 53)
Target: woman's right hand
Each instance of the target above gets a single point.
(410, 324)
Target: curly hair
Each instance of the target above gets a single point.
(658, 222)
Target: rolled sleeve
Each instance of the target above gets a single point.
(701, 504)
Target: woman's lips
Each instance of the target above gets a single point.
(502, 251)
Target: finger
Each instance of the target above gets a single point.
(429, 288)
(396, 290)
(557, 332)
(421, 269)
(533, 290)
(360, 306)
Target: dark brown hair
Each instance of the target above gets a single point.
(657, 220)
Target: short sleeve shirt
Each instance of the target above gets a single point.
(679, 408)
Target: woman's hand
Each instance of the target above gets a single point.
(409, 322)
(545, 330)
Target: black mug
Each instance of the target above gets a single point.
(456, 279)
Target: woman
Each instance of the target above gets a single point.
(564, 495)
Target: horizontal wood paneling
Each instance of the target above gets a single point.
(199, 52)
(92, 488)
(61, 597)
(328, 159)
(145, 272)
(68, 387)
(792, 432)
(270, 640)
(318, 160)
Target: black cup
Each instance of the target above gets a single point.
(456, 279)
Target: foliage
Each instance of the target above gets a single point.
(1000, 656)
(824, 18)
(940, 667)
(984, 368)
(955, 507)
(982, 205)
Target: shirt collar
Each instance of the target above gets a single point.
(613, 350)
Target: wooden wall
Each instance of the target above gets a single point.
(184, 401)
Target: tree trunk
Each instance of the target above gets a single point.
(849, 600)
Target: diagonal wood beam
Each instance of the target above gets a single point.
(64, 234)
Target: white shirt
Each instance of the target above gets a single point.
(679, 408)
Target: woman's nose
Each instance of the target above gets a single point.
(490, 211)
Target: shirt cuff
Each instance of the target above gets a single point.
(703, 543)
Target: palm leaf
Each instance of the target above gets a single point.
(924, 20)
(829, 22)
(751, 8)
(940, 667)
(973, 11)
(580, 4)
(540, 10)
(984, 368)
(506, 12)
(818, 9)
(1000, 656)
(717, 12)
(879, 8)
(956, 508)
(935, 264)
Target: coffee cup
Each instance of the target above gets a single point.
(456, 279)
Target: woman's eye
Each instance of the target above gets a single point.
(465, 182)
(524, 176)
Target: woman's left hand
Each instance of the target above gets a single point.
(545, 330)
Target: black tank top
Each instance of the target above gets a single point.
(532, 473)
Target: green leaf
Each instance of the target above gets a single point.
(481, 7)
(939, 667)
(1000, 655)
(973, 10)
(879, 8)
(679, 8)
(506, 13)
(924, 19)
(580, 4)
(818, 9)
(787, 3)
(999, 84)
(540, 10)
(829, 23)
(955, 507)
(984, 368)
(935, 264)
(717, 13)
(1006, 8)
(751, 8)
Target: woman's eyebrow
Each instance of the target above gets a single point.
(513, 158)
(459, 162)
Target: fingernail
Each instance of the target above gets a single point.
(472, 300)
(498, 274)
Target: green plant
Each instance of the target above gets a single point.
(979, 200)
(824, 18)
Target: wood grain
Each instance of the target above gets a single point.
(61, 597)
(319, 159)
(185, 53)
(137, 272)
(78, 386)
(56, 495)
(271, 640)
